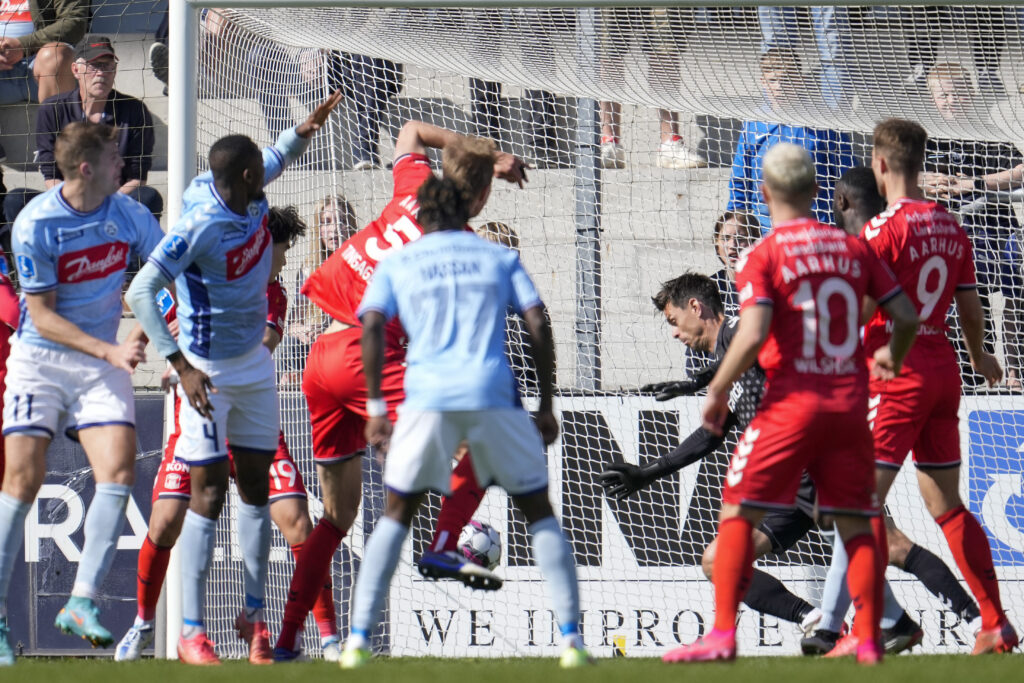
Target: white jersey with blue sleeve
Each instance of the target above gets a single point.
(220, 263)
(452, 291)
(83, 256)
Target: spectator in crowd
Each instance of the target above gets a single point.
(94, 67)
(367, 82)
(540, 134)
(969, 176)
(733, 233)
(663, 41)
(159, 53)
(785, 88)
(986, 28)
(35, 47)
(535, 29)
(334, 221)
(831, 35)
(264, 72)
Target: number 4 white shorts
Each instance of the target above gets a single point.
(45, 386)
(245, 409)
(504, 443)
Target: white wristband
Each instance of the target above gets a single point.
(376, 407)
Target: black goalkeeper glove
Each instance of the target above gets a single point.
(621, 480)
(663, 391)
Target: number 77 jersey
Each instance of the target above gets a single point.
(814, 277)
(932, 258)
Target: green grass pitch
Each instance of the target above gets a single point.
(904, 669)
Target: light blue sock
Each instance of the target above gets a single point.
(254, 539)
(379, 562)
(103, 525)
(892, 610)
(196, 543)
(554, 558)
(12, 532)
(835, 596)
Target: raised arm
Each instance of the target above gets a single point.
(416, 136)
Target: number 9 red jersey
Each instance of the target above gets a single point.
(932, 258)
(814, 277)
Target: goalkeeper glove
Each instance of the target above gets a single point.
(663, 391)
(621, 480)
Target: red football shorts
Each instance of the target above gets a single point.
(917, 412)
(173, 479)
(335, 389)
(790, 435)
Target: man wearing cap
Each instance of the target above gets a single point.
(35, 46)
(94, 67)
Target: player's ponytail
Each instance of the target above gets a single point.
(448, 202)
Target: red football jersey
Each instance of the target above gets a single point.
(814, 277)
(337, 286)
(932, 258)
(277, 306)
(10, 311)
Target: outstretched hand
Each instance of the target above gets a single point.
(621, 480)
(663, 391)
(318, 116)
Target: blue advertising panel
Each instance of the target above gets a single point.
(54, 536)
(996, 481)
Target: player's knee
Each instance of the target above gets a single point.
(51, 59)
(23, 485)
(292, 518)
(341, 513)
(707, 560)
(208, 500)
(899, 546)
(164, 530)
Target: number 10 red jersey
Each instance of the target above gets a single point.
(814, 277)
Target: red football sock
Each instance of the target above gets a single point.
(458, 508)
(311, 572)
(973, 556)
(863, 579)
(734, 565)
(323, 608)
(150, 577)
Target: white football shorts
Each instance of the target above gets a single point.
(504, 443)
(46, 386)
(245, 409)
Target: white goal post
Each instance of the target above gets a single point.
(602, 223)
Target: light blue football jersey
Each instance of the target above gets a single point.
(83, 256)
(220, 263)
(452, 291)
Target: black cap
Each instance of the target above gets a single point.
(93, 48)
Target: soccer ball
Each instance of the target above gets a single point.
(480, 543)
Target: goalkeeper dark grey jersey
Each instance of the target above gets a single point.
(747, 390)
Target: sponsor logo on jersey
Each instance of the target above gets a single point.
(110, 227)
(244, 258)
(26, 266)
(165, 301)
(995, 488)
(92, 263)
(175, 247)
